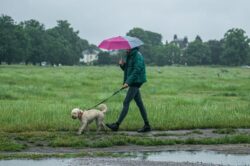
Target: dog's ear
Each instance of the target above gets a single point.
(79, 113)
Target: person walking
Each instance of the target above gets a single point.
(134, 77)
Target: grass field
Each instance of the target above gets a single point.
(41, 98)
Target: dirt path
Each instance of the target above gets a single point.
(33, 148)
(173, 134)
(228, 149)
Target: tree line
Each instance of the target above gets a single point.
(30, 43)
(232, 50)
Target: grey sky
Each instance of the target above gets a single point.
(100, 19)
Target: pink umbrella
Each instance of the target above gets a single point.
(120, 43)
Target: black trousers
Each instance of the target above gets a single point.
(133, 93)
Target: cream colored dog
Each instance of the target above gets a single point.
(88, 116)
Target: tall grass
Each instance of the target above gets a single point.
(41, 98)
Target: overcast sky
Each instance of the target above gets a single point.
(100, 19)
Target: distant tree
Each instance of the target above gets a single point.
(248, 57)
(174, 53)
(197, 53)
(65, 45)
(167, 54)
(235, 47)
(92, 48)
(185, 41)
(56, 47)
(6, 32)
(35, 33)
(138, 32)
(12, 41)
(216, 50)
(198, 38)
(30, 42)
(160, 57)
(148, 37)
(175, 37)
(104, 58)
(148, 53)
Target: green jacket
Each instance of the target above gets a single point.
(134, 68)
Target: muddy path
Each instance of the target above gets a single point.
(162, 135)
(38, 143)
(226, 149)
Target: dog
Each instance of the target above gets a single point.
(88, 116)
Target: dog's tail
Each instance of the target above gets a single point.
(103, 108)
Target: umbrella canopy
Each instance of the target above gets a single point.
(120, 43)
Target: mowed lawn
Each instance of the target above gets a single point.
(41, 98)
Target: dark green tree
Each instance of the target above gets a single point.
(174, 52)
(235, 47)
(175, 37)
(216, 50)
(148, 37)
(36, 41)
(198, 38)
(65, 45)
(104, 58)
(197, 53)
(167, 54)
(248, 57)
(12, 41)
(185, 41)
(160, 57)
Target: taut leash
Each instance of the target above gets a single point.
(116, 92)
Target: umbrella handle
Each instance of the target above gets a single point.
(122, 60)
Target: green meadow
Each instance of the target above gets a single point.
(41, 98)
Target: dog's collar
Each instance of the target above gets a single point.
(80, 115)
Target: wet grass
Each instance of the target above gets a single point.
(8, 145)
(40, 99)
(37, 156)
(21, 141)
(178, 134)
(224, 131)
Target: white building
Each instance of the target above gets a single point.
(89, 56)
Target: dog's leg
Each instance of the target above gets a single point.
(83, 126)
(97, 126)
(87, 128)
(103, 126)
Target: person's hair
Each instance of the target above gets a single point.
(136, 48)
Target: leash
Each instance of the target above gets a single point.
(116, 92)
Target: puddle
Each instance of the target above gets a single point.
(208, 157)
(43, 162)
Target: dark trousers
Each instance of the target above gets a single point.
(133, 93)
